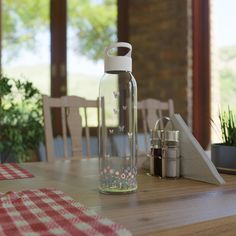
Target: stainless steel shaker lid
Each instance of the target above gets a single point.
(161, 136)
(171, 135)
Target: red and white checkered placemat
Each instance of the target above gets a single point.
(13, 171)
(51, 212)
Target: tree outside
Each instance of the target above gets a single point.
(91, 26)
(93, 23)
(223, 61)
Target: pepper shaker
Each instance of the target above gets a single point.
(157, 166)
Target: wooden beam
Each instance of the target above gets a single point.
(58, 24)
(123, 21)
(58, 17)
(201, 71)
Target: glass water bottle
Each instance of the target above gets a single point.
(118, 123)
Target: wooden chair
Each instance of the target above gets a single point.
(152, 110)
(71, 121)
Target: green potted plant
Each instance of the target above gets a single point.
(21, 119)
(223, 154)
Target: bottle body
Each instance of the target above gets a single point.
(118, 132)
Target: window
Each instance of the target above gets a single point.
(42, 40)
(26, 41)
(91, 27)
(223, 58)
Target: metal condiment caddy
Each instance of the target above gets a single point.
(165, 155)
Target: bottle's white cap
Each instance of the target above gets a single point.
(118, 63)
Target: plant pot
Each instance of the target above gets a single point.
(34, 156)
(224, 158)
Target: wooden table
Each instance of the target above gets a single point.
(170, 207)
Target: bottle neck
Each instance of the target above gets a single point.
(116, 72)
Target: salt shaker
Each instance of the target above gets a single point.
(171, 153)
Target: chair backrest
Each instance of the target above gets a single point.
(152, 110)
(71, 120)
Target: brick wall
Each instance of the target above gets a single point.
(158, 32)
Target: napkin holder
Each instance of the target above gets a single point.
(195, 164)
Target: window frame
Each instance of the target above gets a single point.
(201, 71)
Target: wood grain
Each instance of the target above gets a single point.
(224, 227)
(176, 207)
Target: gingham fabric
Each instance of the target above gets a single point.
(51, 212)
(13, 171)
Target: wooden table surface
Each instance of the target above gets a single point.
(169, 207)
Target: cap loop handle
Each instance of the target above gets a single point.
(119, 45)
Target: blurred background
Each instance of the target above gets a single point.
(183, 49)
